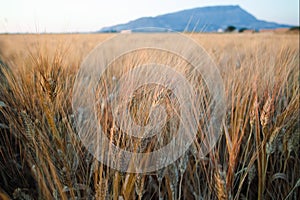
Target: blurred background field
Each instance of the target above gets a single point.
(16, 46)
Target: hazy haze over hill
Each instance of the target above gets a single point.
(203, 19)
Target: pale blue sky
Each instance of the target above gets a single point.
(91, 15)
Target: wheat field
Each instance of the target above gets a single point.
(256, 157)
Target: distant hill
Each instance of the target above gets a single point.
(205, 19)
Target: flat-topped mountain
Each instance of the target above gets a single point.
(204, 19)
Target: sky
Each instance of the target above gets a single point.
(91, 15)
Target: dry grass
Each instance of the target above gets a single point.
(257, 156)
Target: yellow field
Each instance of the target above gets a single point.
(15, 47)
(256, 157)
